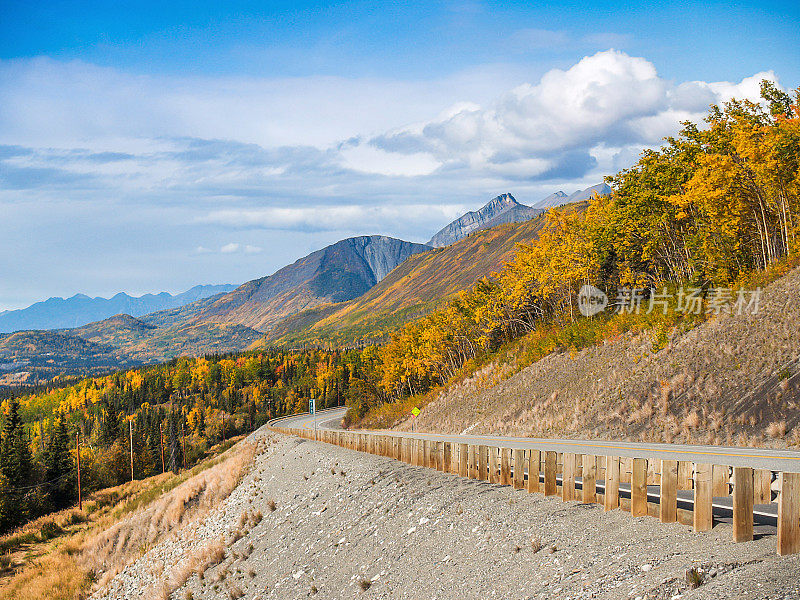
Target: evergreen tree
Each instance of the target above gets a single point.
(59, 468)
(15, 464)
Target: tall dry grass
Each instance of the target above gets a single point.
(123, 523)
(108, 552)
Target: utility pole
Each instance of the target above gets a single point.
(161, 435)
(130, 428)
(78, 446)
(183, 443)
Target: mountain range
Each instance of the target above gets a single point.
(506, 209)
(355, 291)
(559, 198)
(78, 310)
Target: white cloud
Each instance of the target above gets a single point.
(51, 103)
(333, 218)
(542, 129)
(230, 248)
(369, 159)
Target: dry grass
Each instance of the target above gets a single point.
(109, 551)
(197, 563)
(118, 525)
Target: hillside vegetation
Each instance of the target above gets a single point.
(732, 380)
(71, 553)
(38, 356)
(171, 414)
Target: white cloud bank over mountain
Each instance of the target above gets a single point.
(74, 124)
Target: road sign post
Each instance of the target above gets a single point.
(312, 408)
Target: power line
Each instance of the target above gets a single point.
(42, 484)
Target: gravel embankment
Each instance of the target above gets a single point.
(410, 532)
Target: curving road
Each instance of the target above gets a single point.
(756, 458)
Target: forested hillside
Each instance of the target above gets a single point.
(177, 411)
(710, 209)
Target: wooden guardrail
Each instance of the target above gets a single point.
(551, 472)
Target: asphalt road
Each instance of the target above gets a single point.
(757, 458)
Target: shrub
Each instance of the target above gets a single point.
(49, 529)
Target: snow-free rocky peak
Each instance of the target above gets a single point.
(502, 209)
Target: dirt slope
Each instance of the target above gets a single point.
(731, 380)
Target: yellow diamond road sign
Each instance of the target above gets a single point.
(415, 411)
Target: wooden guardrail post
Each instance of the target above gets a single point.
(742, 504)
(534, 457)
(720, 479)
(494, 465)
(624, 469)
(789, 514)
(463, 468)
(550, 459)
(703, 510)
(519, 469)
(611, 496)
(426, 454)
(568, 477)
(589, 479)
(639, 487)
(447, 457)
(684, 475)
(473, 461)
(668, 504)
(505, 466)
(483, 474)
(762, 486)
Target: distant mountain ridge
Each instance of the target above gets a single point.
(502, 209)
(339, 272)
(80, 309)
(559, 198)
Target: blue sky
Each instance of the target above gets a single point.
(148, 146)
